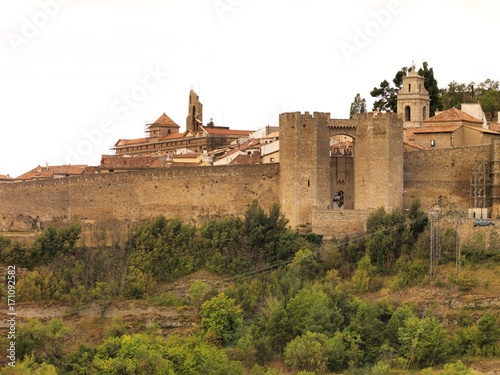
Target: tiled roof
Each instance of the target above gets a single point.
(409, 140)
(4, 177)
(210, 130)
(186, 134)
(122, 162)
(436, 129)
(131, 142)
(482, 130)
(200, 163)
(91, 170)
(254, 158)
(453, 114)
(272, 135)
(49, 171)
(164, 121)
(190, 155)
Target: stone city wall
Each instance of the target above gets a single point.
(191, 194)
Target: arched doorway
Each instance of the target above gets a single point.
(341, 172)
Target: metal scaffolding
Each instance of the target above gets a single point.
(478, 185)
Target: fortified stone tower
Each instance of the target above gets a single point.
(413, 100)
(378, 161)
(194, 118)
(305, 181)
(304, 165)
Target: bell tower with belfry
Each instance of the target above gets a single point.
(413, 100)
(194, 118)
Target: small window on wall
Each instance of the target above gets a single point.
(433, 143)
(272, 160)
(308, 183)
(409, 87)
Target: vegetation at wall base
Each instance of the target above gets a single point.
(252, 296)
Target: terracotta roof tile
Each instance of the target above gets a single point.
(246, 159)
(186, 134)
(5, 178)
(131, 142)
(49, 171)
(436, 129)
(190, 155)
(164, 121)
(482, 130)
(122, 162)
(453, 114)
(91, 170)
(242, 133)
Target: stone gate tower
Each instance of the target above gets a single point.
(305, 168)
(304, 165)
(413, 100)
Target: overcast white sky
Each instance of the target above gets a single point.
(77, 75)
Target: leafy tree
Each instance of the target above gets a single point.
(335, 352)
(45, 340)
(431, 86)
(396, 321)
(223, 242)
(357, 106)
(418, 219)
(488, 334)
(221, 318)
(268, 236)
(387, 97)
(423, 341)
(28, 366)
(312, 310)
(197, 292)
(456, 94)
(307, 352)
(164, 250)
(368, 324)
(305, 265)
(55, 242)
(363, 274)
(278, 326)
(488, 94)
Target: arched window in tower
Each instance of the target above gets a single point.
(424, 113)
(409, 87)
(407, 113)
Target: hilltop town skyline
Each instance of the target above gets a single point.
(70, 68)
